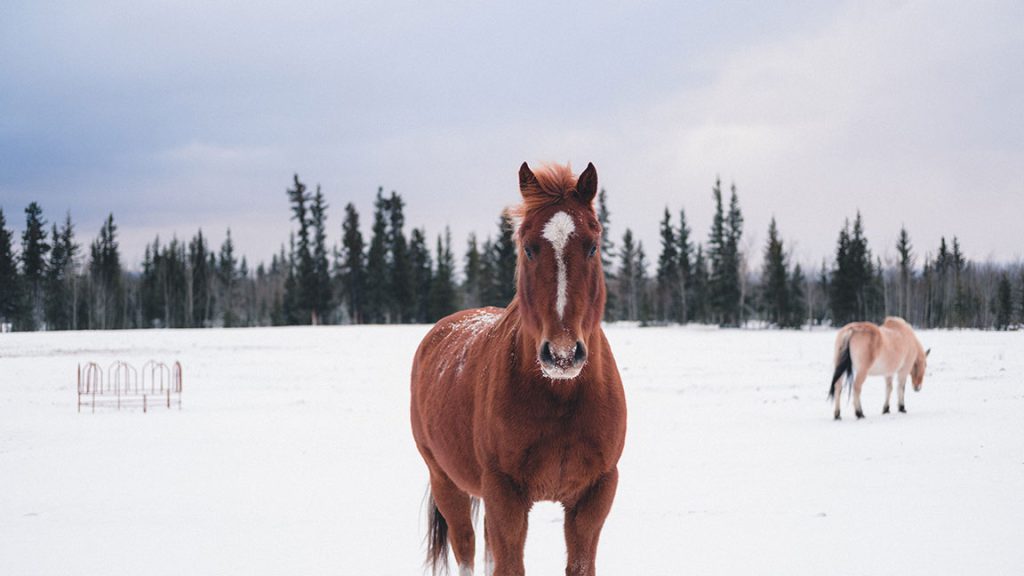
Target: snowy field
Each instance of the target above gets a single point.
(293, 455)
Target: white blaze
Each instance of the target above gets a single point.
(557, 231)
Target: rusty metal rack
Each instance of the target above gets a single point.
(121, 385)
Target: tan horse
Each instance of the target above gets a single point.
(864, 349)
(523, 404)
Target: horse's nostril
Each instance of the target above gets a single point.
(545, 354)
(581, 353)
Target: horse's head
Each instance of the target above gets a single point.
(560, 282)
(918, 369)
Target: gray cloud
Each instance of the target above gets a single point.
(181, 115)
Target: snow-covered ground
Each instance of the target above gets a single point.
(293, 455)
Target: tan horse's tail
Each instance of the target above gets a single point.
(844, 365)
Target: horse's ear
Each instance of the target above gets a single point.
(927, 352)
(527, 181)
(586, 184)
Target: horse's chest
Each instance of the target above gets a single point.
(558, 461)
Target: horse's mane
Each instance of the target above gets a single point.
(556, 183)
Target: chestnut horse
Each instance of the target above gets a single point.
(864, 349)
(523, 404)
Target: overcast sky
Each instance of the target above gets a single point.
(177, 115)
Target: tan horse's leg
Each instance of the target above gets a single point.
(837, 393)
(583, 522)
(858, 384)
(888, 393)
(457, 509)
(903, 389)
(506, 518)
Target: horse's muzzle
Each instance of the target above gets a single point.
(561, 363)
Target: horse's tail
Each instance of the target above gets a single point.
(437, 539)
(844, 365)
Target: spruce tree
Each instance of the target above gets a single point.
(684, 250)
(646, 311)
(422, 276)
(10, 282)
(401, 280)
(489, 295)
(105, 278)
(199, 299)
(442, 289)
(701, 301)
(906, 264)
(353, 267)
(775, 280)
(629, 295)
(471, 288)
(304, 284)
(797, 299)
(611, 306)
(34, 250)
(320, 289)
(227, 275)
(669, 292)
(1004, 303)
(378, 292)
(504, 261)
(60, 277)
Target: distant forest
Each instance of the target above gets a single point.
(51, 283)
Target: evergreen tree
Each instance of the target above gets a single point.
(60, 277)
(504, 261)
(684, 249)
(34, 250)
(607, 253)
(797, 301)
(640, 283)
(304, 283)
(353, 268)
(320, 289)
(105, 279)
(629, 295)
(775, 279)
(724, 258)
(669, 285)
(700, 299)
(488, 272)
(422, 275)
(10, 282)
(377, 278)
(228, 277)
(401, 281)
(906, 264)
(199, 297)
(471, 287)
(854, 290)
(442, 289)
(1004, 303)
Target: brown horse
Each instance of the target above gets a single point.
(523, 404)
(864, 349)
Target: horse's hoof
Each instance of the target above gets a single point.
(903, 409)
(837, 416)
(885, 410)
(859, 414)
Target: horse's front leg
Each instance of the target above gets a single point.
(888, 393)
(583, 521)
(506, 516)
(903, 389)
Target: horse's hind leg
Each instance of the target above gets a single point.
(903, 389)
(888, 393)
(457, 508)
(858, 384)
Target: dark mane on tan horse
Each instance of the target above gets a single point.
(524, 403)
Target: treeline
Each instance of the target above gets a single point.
(51, 283)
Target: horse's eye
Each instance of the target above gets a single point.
(528, 252)
(593, 250)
